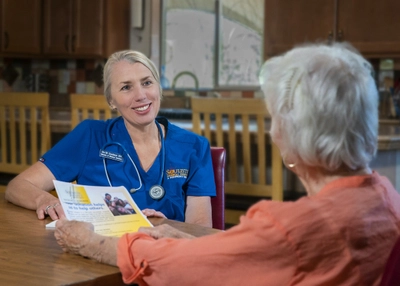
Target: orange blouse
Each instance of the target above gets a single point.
(341, 236)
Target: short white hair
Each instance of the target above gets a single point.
(326, 102)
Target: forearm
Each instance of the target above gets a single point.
(30, 189)
(198, 211)
(101, 248)
(23, 193)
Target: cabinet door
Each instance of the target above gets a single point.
(57, 27)
(20, 26)
(116, 26)
(88, 22)
(292, 22)
(371, 26)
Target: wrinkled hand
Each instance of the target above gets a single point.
(51, 208)
(164, 230)
(153, 213)
(73, 236)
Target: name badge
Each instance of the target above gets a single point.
(111, 155)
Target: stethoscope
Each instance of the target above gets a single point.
(156, 192)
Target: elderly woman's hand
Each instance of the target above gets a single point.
(79, 238)
(164, 230)
(73, 236)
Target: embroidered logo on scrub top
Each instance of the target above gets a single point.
(177, 173)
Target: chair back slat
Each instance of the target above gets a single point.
(246, 149)
(219, 129)
(207, 124)
(3, 131)
(89, 106)
(24, 129)
(254, 165)
(96, 114)
(22, 133)
(33, 139)
(46, 127)
(13, 135)
(232, 148)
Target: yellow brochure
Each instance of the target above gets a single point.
(111, 210)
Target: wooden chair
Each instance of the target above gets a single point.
(24, 130)
(239, 125)
(218, 155)
(94, 106)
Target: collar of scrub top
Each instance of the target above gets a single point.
(110, 142)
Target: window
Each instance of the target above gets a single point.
(211, 44)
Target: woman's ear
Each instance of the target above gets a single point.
(112, 106)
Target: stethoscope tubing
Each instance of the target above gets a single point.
(110, 142)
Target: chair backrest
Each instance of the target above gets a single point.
(93, 106)
(391, 274)
(254, 164)
(218, 155)
(24, 130)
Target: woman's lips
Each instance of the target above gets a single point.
(142, 108)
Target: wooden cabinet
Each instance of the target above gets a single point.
(370, 26)
(85, 28)
(73, 27)
(291, 22)
(20, 27)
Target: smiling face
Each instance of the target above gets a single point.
(134, 93)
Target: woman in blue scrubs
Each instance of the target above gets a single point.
(167, 170)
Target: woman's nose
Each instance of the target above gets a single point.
(139, 93)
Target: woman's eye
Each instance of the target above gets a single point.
(125, 87)
(147, 82)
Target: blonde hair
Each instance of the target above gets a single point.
(132, 57)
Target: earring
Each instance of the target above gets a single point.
(290, 165)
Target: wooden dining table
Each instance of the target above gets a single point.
(30, 255)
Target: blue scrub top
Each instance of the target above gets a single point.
(188, 167)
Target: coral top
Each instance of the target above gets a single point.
(341, 236)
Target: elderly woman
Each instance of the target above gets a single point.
(323, 103)
(166, 169)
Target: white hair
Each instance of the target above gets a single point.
(326, 102)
